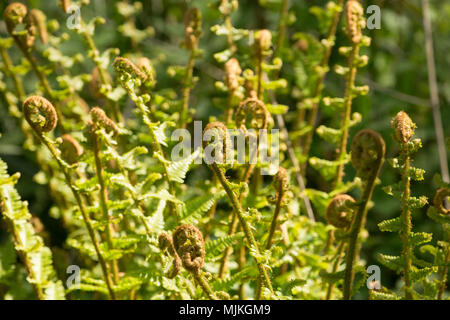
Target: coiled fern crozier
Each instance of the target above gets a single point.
(127, 144)
(411, 269)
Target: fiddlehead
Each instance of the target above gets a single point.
(403, 128)
(166, 243)
(340, 211)
(124, 65)
(439, 201)
(42, 124)
(16, 14)
(70, 149)
(189, 244)
(37, 19)
(233, 72)
(190, 247)
(100, 118)
(40, 114)
(355, 23)
(239, 212)
(254, 108)
(280, 183)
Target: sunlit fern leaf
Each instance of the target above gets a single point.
(379, 295)
(330, 135)
(287, 287)
(216, 247)
(418, 238)
(7, 260)
(197, 206)
(326, 168)
(37, 257)
(434, 215)
(332, 277)
(87, 288)
(392, 262)
(156, 221)
(392, 225)
(238, 277)
(419, 274)
(177, 170)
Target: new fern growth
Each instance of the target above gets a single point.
(406, 263)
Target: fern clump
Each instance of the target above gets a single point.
(193, 151)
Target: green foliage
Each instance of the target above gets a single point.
(91, 122)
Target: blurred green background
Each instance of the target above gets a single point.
(397, 75)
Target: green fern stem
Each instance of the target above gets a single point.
(342, 151)
(78, 198)
(156, 145)
(337, 261)
(406, 226)
(187, 88)
(368, 150)
(245, 226)
(443, 272)
(8, 208)
(86, 219)
(104, 199)
(204, 285)
(234, 224)
(353, 246)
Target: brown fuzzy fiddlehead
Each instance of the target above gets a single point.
(367, 149)
(254, 108)
(264, 39)
(70, 149)
(40, 114)
(166, 243)
(100, 118)
(220, 131)
(190, 247)
(188, 243)
(237, 207)
(280, 183)
(439, 200)
(340, 212)
(16, 14)
(124, 65)
(38, 19)
(233, 71)
(145, 65)
(355, 23)
(403, 127)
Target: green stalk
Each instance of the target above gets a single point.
(244, 224)
(104, 200)
(187, 88)
(406, 225)
(347, 113)
(367, 150)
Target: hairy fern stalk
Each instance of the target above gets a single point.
(123, 200)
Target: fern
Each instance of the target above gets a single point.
(36, 257)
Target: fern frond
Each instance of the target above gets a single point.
(216, 247)
(36, 257)
(392, 225)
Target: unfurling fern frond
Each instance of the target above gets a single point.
(30, 247)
